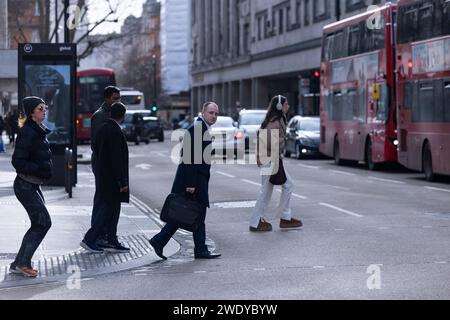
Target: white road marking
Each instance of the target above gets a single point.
(259, 269)
(437, 189)
(342, 172)
(225, 174)
(299, 196)
(143, 166)
(386, 180)
(337, 187)
(318, 267)
(340, 209)
(306, 166)
(200, 271)
(440, 262)
(251, 182)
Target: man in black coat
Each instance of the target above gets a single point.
(111, 95)
(111, 151)
(193, 177)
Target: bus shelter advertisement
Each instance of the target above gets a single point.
(52, 83)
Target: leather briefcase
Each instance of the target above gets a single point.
(183, 211)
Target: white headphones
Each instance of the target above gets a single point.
(279, 104)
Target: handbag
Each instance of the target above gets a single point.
(279, 178)
(183, 211)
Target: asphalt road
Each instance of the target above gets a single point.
(366, 235)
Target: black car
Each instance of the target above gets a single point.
(152, 129)
(133, 125)
(303, 137)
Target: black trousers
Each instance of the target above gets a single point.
(30, 196)
(199, 236)
(107, 218)
(97, 197)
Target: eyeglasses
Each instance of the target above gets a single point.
(41, 108)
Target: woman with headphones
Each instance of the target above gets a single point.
(271, 140)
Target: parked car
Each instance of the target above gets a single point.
(133, 99)
(152, 129)
(226, 138)
(133, 125)
(303, 137)
(249, 122)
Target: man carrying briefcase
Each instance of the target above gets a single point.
(193, 177)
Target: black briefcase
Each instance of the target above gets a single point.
(183, 211)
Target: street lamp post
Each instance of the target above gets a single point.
(66, 18)
(154, 76)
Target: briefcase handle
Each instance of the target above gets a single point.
(190, 196)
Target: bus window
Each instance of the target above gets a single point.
(383, 103)
(408, 92)
(446, 18)
(447, 100)
(425, 109)
(426, 21)
(338, 45)
(439, 103)
(353, 42)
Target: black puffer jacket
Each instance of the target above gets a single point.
(32, 155)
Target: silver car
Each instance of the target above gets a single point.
(249, 122)
(227, 140)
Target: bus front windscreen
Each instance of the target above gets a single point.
(91, 92)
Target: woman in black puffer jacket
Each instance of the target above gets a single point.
(32, 161)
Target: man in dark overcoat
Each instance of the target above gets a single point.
(193, 177)
(111, 151)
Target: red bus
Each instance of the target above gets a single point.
(423, 92)
(357, 104)
(90, 85)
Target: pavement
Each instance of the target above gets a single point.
(60, 254)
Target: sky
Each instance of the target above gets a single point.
(99, 8)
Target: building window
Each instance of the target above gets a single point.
(306, 15)
(259, 30)
(321, 10)
(298, 12)
(35, 38)
(280, 21)
(352, 5)
(37, 12)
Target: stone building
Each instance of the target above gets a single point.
(245, 51)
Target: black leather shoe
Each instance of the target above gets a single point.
(207, 255)
(158, 249)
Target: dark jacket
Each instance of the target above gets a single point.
(99, 118)
(32, 155)
(111, 150)
(189, 173)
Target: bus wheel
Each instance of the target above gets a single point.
(336, 153)
(427, 163)
(369, 161)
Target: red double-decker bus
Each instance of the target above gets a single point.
(357, 104)
(423, 94)
(90, 85)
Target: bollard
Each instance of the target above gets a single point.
(68, 171)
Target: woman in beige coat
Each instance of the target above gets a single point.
(271, 140)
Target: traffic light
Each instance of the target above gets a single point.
(154, 105)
